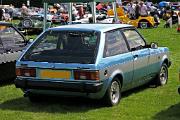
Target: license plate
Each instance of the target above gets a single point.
(55, 74)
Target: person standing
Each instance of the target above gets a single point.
(131, 11)
(137, 14)
(143, 9)
(10, 11)
(81, 12)
(24, 10)
(74, 12)
(178, 29)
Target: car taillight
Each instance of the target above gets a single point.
(27, 72)
(86, 75)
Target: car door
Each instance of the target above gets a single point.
(140, 54)
(13, 43)
(117, 58)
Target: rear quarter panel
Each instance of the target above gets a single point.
(115, 65)
(157, 58)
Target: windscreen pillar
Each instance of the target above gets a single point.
(45, 16)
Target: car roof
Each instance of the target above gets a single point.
(90, 27)
(5, 23)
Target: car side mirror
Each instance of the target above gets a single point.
(154, 45)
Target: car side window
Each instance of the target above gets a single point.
(134, 39)
(11, 39)
(114, 44)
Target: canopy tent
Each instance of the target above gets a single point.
(93, 2)
(163, 4)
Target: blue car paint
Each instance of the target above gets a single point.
(110, 62)
(135, 76)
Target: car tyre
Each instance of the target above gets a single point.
(27, 22)
(143, 25)
(156, 25)
(113, 93)
(179, 90)
(162, 76)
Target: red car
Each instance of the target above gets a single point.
(62, 18)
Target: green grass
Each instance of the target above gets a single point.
(144, 103)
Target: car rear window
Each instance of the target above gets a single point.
(64, 47)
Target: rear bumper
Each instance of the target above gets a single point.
(59, 85)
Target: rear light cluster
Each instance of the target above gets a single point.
(27, 72)
(86, 75)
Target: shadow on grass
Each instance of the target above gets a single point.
(137, 90)
(60, 104)
(7, 73)
(6, 82)
(172, 113)
(52, 105)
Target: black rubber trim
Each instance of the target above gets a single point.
(59, 85)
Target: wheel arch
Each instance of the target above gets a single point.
(117, 74)
(120, 78)
(166, 61)
(145, 20)
(108, 99)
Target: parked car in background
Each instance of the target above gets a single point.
(60, 19)
(49, 16)
(140, 22)
(12, 43)
(33, 24)
(90, 60)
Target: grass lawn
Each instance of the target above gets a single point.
(144, 103)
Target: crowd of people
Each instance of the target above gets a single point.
(6, 13)
(137, 9)
(133, 9)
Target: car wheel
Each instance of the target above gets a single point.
(113, 93)
(143, 25)
(27, 23)
(155, 25)
(162, 77)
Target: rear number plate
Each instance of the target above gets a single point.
(55, 74)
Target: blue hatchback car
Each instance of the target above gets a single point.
(91, 60)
